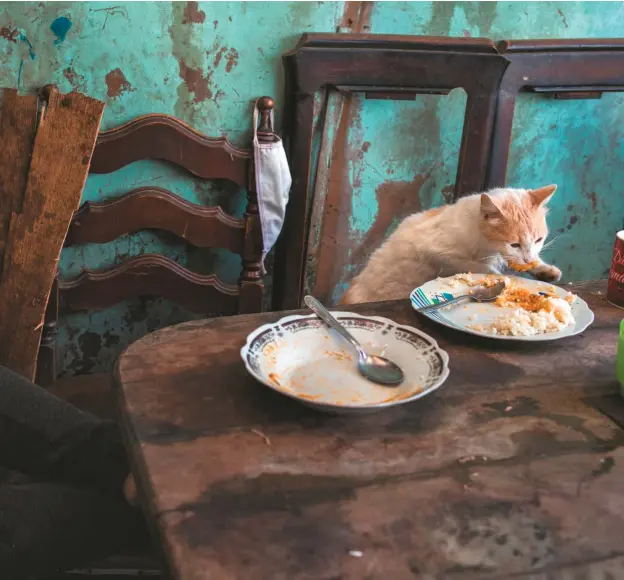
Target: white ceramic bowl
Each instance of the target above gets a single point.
(302, 358)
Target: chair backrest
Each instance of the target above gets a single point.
(164, 138)
(377, 66)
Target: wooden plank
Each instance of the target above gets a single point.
(58, 170)
(535, 520)
(18, 124)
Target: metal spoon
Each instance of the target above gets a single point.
(375, 368)
(480, 294)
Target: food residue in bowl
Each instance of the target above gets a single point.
(402, 396)
(273, 377)
(309, 368)
(336, 396)
(338, 355)
(269, 349)
(309, 397)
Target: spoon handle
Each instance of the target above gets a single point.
(324, 314)
(433, 307)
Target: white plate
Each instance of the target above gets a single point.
(466, 314)
(302, 358)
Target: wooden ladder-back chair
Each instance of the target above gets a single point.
(164, 138)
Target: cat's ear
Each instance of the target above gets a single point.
(489, 209)
(541, 195)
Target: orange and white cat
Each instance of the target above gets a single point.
(480, 233)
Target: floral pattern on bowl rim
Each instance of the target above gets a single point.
(300, 357)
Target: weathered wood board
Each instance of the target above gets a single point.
(18, 124)
(63, 145)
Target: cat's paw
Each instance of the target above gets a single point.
(547, 273)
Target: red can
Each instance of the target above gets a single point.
(615, 289)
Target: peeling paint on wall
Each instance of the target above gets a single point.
(116, 83)
(206, 62)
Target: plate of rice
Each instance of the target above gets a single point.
(527, 310)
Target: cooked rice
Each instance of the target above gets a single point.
(533, 313)
(523, 322)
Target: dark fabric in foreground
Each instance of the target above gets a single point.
(61, 477)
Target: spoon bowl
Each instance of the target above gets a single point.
(380, 370)
(375, 368)
(483, 294)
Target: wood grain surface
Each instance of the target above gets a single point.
(509, 470)
(64, 141)
(18, 124)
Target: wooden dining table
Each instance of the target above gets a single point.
(514, 468)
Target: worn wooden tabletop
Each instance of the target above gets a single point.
(513, 469)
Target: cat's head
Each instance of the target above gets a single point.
(514, 221)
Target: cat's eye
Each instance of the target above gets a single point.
(515, 245)
(538, 240)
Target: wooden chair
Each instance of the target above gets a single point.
(164, 138)
(560, 68)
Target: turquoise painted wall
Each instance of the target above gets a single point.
(206, 62)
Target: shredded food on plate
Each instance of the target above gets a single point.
(532, 311)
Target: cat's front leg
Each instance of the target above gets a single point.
(546, 272)
(493, 265)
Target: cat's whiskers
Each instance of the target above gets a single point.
(548, 245)
(488, 258)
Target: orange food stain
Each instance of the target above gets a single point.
(518, 297)
(274, 377)
(338, 355)
(310, 397)
(402, 396)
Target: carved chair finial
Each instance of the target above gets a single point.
(265, 129)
